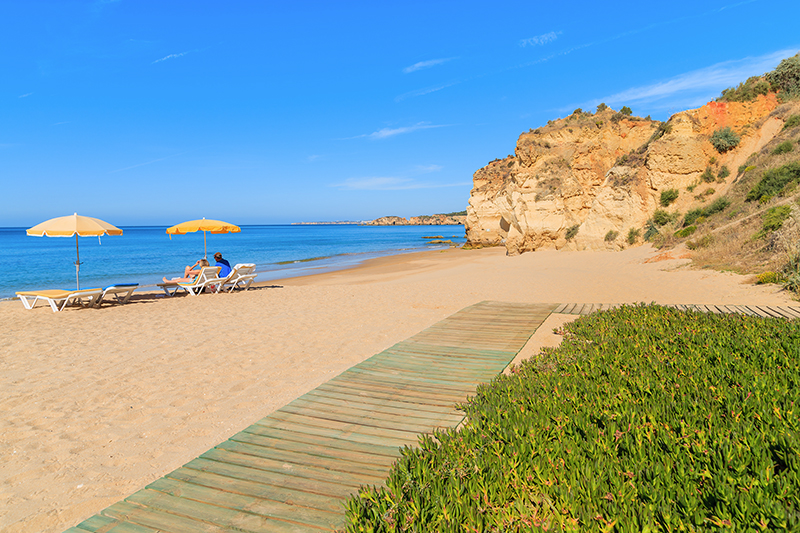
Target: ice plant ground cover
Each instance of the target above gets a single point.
(646, 418)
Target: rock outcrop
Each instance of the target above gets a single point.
(422, 220)
(579, 181)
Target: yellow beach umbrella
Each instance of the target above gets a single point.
(204, 225)
(74, 225)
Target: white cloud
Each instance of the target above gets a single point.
(426, 64)
(425, 169)
(702, 84)
(390, 184)
(391, 132)
(24, 95)
(421, 92)
(171, 56)
(540, 39)
(314, 157)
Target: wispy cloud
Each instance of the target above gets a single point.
(421, 92)
(24, 95)
(426, 64)
(60, 123)
(391, 132)
(390, 184)
(146, 163)
(702, 84)
(426, 169)
(540, 39)
(171, 56)
(314, 157)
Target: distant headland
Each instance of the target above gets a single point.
(442, 219)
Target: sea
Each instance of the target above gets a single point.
(144, 254)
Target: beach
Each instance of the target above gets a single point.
(97, 403)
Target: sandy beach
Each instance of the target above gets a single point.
(97, 403)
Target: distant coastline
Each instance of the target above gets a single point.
(442, 219)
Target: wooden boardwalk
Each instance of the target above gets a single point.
(292, 470)
(765, 311)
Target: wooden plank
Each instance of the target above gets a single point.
(299, 457)
(793, 311)
(161, 521)
(315, 449)
(286, 495)
(374, 411)
(277, 466)
(406, 400)
(354, 433)
(221, 517)
(376, 420)
(560, 309)
(359, 432)
(105, 524)
(301, 436)
(188, 494)
(371, 405)
(313, 486)
(779, 311)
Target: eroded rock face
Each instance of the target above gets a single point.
(601, 173)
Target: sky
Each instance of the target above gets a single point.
(267, 112)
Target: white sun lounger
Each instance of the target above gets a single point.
(206, 278)
(243, 273)
(121, 292)
(59, 299)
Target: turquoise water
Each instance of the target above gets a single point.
(144, 254)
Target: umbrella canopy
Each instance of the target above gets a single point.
(74, 225)
(204, 225)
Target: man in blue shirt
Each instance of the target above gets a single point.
(224, 266)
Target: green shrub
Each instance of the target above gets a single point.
(747, 91)
(651, 232)
(725, 139)
(718, 205)
(791, 122)
(774, 181)
(692, 216)
(633, 235)
(723, 173)
(661, 217)
(712, 160)
(685, 232)
(646, 417)
(741, 169)
(626, 111)
(783, 148)
(786, 77)
(774, 218)
(668, 196)
(611, 235)
(708, 175)
(601, 107)
(572, 231)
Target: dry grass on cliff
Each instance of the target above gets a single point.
(733, 239)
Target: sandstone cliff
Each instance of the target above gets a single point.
(585, 181)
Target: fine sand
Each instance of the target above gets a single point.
(97, 403)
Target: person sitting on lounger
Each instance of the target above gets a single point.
(189, 273)
(224, 266)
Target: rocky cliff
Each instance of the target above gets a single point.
(422, 220)
(585, 181)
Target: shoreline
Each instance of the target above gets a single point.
(98, 403)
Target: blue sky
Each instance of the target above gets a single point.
(141, 112)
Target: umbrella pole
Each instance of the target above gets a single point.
(205, 248)
(77, 263)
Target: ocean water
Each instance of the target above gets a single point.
(144, 254)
